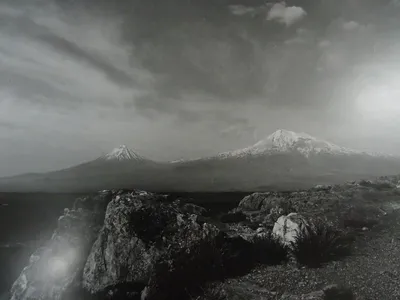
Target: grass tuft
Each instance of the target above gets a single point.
(318, 244)
(269, 250)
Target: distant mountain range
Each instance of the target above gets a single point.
(283, 160)
(285, 141)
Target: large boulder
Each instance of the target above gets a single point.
(123, 251)
(54, 270)
(288, 227)
(264, 208)
(131, 245)
(253, 202)
(191, 208)
(146, 241)
(286, 201)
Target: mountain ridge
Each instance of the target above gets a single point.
(283, 159)
(285, 141)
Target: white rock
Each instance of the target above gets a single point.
(260, 230)
(322, 187)
(287, 228)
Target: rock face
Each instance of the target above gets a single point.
(288, 227)
(130, 244)
(122, 252)
(146, 241)
(55, 270)
(137, 230)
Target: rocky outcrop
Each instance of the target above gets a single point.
(55, 270)
(287, 228)
(354, 204)
(122, 251)
(266, 208)
(130, 245)
(147, 242)
(253, 202)
(191, 208)
(137, 231)
(285, 201)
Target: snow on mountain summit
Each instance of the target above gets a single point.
(289, 141)
(285, 141)
(282, 140)
(122, 153)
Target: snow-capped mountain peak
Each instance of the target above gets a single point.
(283, 140)
(289, 141)
(286, 141)
(122, 153)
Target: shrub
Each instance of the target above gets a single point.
(183, 272)
(213, 293)
(269, 250)
(317, 244)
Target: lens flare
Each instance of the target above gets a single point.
(379, 102)
(58, 267)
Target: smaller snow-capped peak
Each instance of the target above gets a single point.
(122, 153)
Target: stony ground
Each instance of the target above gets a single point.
(136, 218)
(372, 271)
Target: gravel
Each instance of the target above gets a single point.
(372, 271)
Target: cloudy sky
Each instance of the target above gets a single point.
(185, 78)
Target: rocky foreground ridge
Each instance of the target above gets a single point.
(139, 245)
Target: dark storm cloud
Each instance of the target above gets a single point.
(236, 52)
(71, 49)
(227, 51)
(215, 51)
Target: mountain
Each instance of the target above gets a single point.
(122, 153)
(283, 160)
(120, 168)
(285, 141)
(289, 141)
